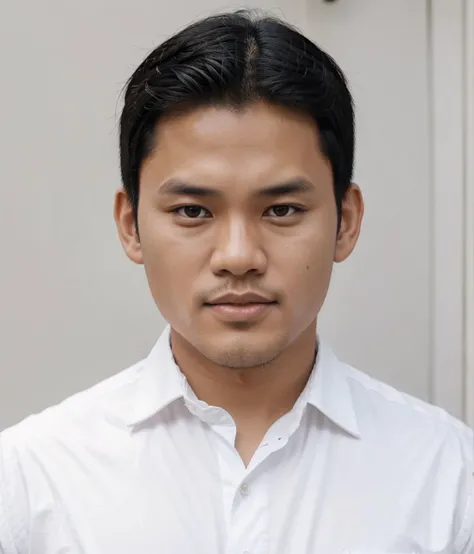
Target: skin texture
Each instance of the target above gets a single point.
(240, 239)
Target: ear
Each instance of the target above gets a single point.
(126, 226)
(352, 212)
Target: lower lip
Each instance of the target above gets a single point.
(240, 312)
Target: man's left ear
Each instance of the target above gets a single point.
(352, 213)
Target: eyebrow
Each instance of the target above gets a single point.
(177, 187)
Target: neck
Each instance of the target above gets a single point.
(259, 395)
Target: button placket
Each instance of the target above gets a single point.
(244, 490)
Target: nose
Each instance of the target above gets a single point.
(238, 250)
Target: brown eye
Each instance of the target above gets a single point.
(282, 210)
(192, 212)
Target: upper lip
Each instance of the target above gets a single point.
(235, 298)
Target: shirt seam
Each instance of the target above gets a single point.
(4, 527)
(433, 411)
(463, 535)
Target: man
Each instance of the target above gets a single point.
(241, 432)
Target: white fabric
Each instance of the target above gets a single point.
(138, 465)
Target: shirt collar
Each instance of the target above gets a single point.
(159, 382)
(329, 391)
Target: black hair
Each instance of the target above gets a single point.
(234, 59)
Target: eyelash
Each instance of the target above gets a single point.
(297, 209)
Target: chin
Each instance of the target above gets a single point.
(244, 352)
(243, 360)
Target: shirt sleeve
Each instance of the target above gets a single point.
(466, 535)
(13, 501)
(465, 538)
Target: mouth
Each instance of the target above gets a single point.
(247, 311)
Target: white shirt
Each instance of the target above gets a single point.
(138, 465)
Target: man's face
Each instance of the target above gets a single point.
(238, 203)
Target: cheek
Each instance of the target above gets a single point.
(164, 248)
(305, 256)
(163, 265)
(172, 264)
(167, 281)
(305, 268)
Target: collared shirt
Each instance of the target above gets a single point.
(139, 465)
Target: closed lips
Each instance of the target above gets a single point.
(241, 299)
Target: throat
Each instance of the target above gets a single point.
(248, 439)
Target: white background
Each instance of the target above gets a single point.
(74, 310)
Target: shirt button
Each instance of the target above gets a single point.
(244, 491)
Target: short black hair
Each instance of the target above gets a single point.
(234, 59)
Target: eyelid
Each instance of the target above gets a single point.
(296, 207)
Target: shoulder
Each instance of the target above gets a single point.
(382, 405)
(35, 448)
(80, 415)
(433, 449)
(104, 400)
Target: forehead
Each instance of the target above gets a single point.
(219, 145)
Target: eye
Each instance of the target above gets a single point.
(192, 212)
(283, 210)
